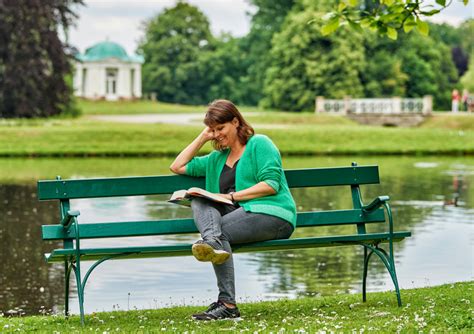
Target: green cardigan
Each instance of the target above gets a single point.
(260, 161)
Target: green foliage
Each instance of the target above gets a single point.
(34, 62)
(383, 75)
(218, 72)
(285, 61)
(466, 32)
(255, 46)
(459, 40)
(306, 64)
(430, 67)
(386, 17)
(467, 81)
(172, 43)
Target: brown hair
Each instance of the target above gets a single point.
(223, 111)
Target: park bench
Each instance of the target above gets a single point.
(71, 233)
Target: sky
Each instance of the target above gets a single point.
(121, 20)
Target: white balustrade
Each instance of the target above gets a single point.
(394, 105)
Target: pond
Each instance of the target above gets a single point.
(433, 197)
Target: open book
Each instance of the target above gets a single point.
(183, 197)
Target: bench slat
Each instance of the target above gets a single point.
(185, 249)
(167, 184)
(335, 176)
(179, 226)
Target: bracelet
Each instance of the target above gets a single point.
(232, 196)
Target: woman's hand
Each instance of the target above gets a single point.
(207, 134)
(260, 189)
(179, 164)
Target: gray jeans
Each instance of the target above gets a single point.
(222, 227)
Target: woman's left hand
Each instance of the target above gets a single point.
(227, 196)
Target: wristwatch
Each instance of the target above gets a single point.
(232, 196)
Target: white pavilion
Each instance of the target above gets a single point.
(106, 71)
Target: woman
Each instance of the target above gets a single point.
(246, 169)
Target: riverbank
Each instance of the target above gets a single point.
(445, 308)
(295, 135)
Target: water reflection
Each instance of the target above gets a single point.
(424, 193)
(28, 284)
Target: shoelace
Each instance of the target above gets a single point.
(212, 306)
(219, 311)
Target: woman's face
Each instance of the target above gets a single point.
(226, 133)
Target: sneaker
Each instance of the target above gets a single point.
(204, 252)
(209, 308)
(218, 311)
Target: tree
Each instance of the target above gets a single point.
(221, 71)
(383, 75)
(306, 64)
(413, 66)
(172, 43)
(430, 67)
(459, 40)
(467, 81)
(267, 21)
(34, 63)
(386, 17)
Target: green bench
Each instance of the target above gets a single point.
(71, 232)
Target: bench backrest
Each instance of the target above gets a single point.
(64, 190)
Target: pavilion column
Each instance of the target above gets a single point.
(78, 91)
(137, 82)
(103, 81)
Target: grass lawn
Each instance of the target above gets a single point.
(294, 134)
(82, 137)
(134, 107)
(446, 308)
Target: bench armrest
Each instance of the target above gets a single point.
(375, 204)
(69, 218)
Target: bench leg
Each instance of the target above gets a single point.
(67, 275)
(389, 263)
(80, 290)
(364, 277)
(77, 271)
(81, 283)
(393, 273)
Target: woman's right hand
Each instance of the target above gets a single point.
(179, 164)
(207, 134)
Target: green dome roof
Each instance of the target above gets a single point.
(107, 49)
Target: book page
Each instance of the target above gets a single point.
(183, 197)
(177, 195)
(194, 191)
